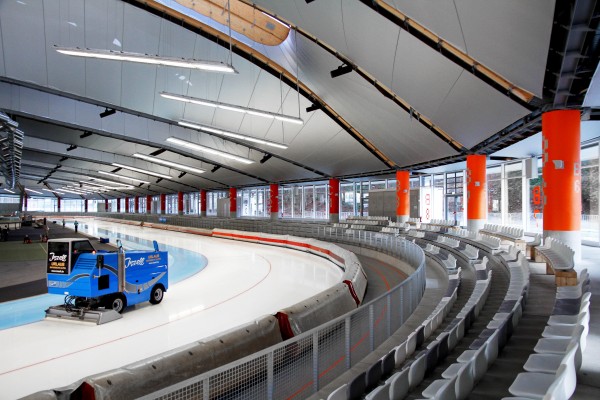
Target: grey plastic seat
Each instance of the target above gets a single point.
(536, 385)
(339, 393)
(442, 389)
(463, 372)
(417, 370)
(373, 376)
(399, 384)
(548, 363)
(379, 393)
(356, 388)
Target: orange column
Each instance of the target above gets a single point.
(203, 205)
(476, 192)
(136, 205)
(274, 201)
(105, 205)
(85, 205)
(334, 200)
(233, 202)
(180, 203)
(148, 204)
(58, 204)
(163, 203)
(402, 196)
(126, 204)
(118, 205)
(561, 172)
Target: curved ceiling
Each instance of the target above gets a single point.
(402, 102)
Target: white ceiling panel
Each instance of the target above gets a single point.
(322, 19)
(482, 113)
(372, 41)
(510, 36)
(439, 16)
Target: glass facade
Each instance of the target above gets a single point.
(514, 195)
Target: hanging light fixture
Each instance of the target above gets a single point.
(169, 163)
(212, 66)
(143, 171)
(210, 150)
(234, 135)
(233, 107)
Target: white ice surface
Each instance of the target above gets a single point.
(242, 282)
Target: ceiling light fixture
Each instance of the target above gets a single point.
(216, 168)
(212, 66)
(143, 171)
(341, 70)
(198, 147)
(231, 134)
(169, 163)
(107, 112)
(85, 134)
(266, 158)
(232, 107)
(118, 176)
(71, 147)
(9, 191)
(33, 191)
(313, 107)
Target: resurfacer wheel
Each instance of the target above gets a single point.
(118, 303)
(157, 294)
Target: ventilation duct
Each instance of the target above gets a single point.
(11, 150)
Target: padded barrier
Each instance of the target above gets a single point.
(146, 376)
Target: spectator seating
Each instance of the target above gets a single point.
(560, 261)
(511, 255)
(532, 240)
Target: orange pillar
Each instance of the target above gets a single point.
(274, 201)
(334, 200)
(126, 204)
(233, 202)
(476, 192)
(148, 204)
(106, 205)
(85, 205)
(118, 205)
(136, 205)
(402, 196)
(180, 203)
(163, 203)
(58, 204)
(561, 172)
(203, 205)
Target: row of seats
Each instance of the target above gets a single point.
(459, 378)
(453, 243)
(379, 380)
(552, 371)
(505, 231)
(557, 254)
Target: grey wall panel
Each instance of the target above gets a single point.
(23, 28)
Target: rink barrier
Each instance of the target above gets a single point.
(323, 306)
(354, 334)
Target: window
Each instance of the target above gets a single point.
(590, 187)
(514, 187)
(494, 195)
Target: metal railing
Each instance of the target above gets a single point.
(299, 367)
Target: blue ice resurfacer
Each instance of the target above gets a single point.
(98, 285)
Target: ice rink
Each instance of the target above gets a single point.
(241, 282)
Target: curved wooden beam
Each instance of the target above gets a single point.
(245, 20)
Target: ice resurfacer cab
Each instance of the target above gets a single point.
(98, 285)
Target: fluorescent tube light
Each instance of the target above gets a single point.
(232, 134)
(143, 171)
(169, 163)
(232, 107)
(118, 176)
(198, 147)
(9, 191)
(213, 66)
(33, 191)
